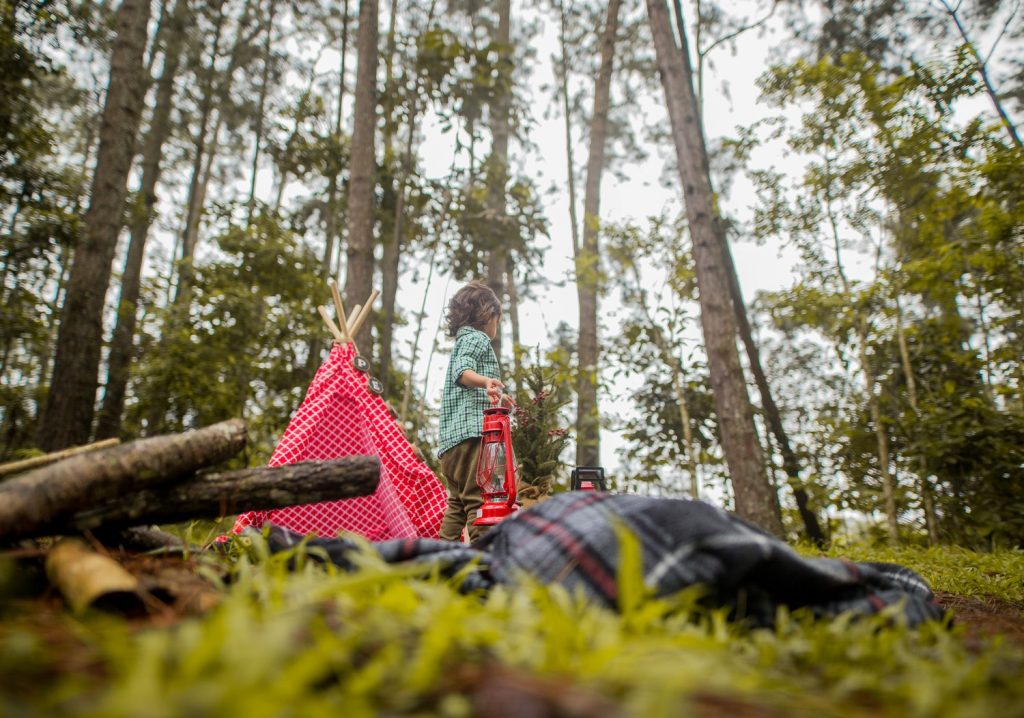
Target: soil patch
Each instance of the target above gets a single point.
(985, 617)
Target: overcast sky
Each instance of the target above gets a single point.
(634, 199)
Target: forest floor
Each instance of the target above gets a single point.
(985, 617)
(54, 663)
(177, 590)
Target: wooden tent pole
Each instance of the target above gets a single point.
(361, 318)
(352, 318)
(339, 309)
(335, 332)
(351, 323)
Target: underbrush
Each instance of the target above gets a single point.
(295, 637)
(952, 569)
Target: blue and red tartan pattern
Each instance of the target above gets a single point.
(341, 417)
(573, 540)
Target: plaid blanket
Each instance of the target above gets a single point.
(573, 540)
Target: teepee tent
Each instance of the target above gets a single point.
(341, 416)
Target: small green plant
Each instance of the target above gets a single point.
(538, 438)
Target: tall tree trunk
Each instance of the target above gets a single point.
(260, 110)
(772, 416)
(497, 173)
(196, 209)
(588, 271)
(331, 224)
(754, 495)
(157, 41)
(392, 255)
(881, 439)
(207, 149)
(70, 404)
(563, 79)
(121, 343)
(359, 276)
(206, 109)
(790, 464)
(513, 316)
(216, 92)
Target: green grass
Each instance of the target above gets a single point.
(952, 569)
(399, 641)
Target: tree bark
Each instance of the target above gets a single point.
(70, 404)
(392, 256)
(193, 204)
(316, 343)
(217, 96)
(497, 171)
(122, 341)
(513, 317)
(588, 272)
(31, 503)
(391, 227)
(753, 492)
(790, 464)
(359, 272)
(563, 79)
(260, 113)
(214, 496)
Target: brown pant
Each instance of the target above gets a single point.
(458, 465)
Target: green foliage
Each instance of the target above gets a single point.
(890, 171)
(241, 352)
(460, 76)
(480, 230)
(40, 192)
(949, 569)
(656, 352)
(312, 640)
(538, 436)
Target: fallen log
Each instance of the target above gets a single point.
(88, 579)
(140, 538)
(217, 495)
(16, 467)
(48, 496)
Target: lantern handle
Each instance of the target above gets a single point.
(513, 491)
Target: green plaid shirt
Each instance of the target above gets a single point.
(462, 408)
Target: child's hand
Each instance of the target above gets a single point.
(493, 388)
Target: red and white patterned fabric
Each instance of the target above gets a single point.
(341, 417)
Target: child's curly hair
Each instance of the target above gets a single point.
(472, 306)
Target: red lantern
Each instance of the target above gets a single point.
(496, 470)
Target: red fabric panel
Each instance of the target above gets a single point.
(341, 417)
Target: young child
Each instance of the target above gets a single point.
(470, 386)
